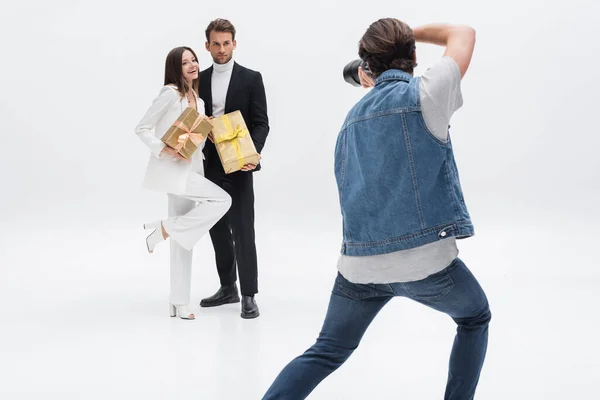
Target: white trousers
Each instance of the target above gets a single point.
(191, 215)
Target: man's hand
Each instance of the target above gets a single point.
(366, 80)
(173, 153)
(250, 167)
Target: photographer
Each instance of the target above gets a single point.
(402, 208)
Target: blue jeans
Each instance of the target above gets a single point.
(352, 307)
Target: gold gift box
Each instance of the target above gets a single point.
(193, 124)
(233, 142)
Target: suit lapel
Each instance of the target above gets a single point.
(234, 84)
(205, 89)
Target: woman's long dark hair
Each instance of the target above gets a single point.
(174, 70)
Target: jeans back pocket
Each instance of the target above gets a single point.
(432, 288)
(356, 291)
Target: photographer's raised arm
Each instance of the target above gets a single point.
(459, 41)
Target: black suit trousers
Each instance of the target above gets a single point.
(233, 236)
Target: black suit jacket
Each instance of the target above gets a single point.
(246, 93)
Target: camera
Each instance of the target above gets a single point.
(351, 72)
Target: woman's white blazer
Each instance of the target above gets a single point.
(166, 173)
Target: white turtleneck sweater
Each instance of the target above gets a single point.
(221, 76)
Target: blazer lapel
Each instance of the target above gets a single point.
(205, 89)
(234, 83)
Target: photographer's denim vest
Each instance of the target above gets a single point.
(398, 184)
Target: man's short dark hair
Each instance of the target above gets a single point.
(388, 44)
(220, 25)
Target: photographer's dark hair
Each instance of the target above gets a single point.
(220, 25)
(174, 70)
(388, 44)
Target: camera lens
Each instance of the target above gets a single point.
(351, 72)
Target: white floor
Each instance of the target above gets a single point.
(84, 315)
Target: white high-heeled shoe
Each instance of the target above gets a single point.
(183, 311)
(152, 225)
(155, 237)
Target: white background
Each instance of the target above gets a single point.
(83, 308)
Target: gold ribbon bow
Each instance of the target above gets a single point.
(196, 138)
(233, 135)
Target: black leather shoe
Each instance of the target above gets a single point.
(225, 295)
(249, 307)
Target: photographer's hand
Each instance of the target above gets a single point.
(366, 80)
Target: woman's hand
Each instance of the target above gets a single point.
(173, 153)
(210, 134)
